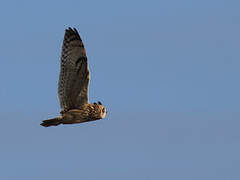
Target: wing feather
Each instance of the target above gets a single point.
(74, 73)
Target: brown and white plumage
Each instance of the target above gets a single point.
(73, 84)
(74, 73)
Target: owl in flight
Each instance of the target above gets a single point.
(73, 85)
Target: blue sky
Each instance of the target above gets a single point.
(167, 71)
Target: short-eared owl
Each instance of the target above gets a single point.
(73, 85)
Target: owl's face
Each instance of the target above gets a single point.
(103, 111)
(100, 110)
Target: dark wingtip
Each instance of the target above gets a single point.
(76, 31)
(99, 103)
(72, 31)
(69, 29)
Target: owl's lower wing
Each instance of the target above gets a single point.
(74, 73)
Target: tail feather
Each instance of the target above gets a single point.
(52, 122)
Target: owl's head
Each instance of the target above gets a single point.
(101, 111)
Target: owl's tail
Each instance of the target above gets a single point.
(52, 122)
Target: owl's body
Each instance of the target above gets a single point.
(73, 85)
(85, 113)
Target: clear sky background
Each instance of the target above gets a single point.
(167, 71)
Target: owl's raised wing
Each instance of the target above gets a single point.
(74, 73)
